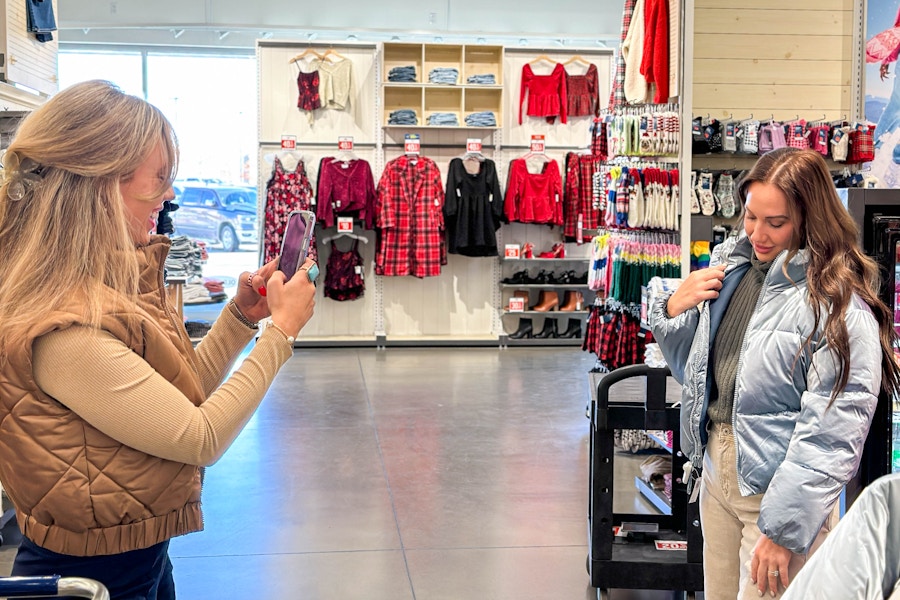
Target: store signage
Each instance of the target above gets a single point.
(288, 142)
(345, 143)
(537, 144)
(412, 143)
(345, 224)
(473, 145)
(668, 545)
(516, 304)
(512, 251)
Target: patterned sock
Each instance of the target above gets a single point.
(725, 195)
(705, 194)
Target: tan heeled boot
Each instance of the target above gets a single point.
(574, 301)
(547, 302)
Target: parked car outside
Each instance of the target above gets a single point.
(217, 214)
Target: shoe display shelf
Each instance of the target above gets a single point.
(553, 317)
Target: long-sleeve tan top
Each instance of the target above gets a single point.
(133, 404)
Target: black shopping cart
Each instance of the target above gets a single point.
(52, 586)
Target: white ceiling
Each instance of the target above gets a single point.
(238, 23)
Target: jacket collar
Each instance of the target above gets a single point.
(738, 254)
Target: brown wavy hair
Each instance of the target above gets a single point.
(838, 267)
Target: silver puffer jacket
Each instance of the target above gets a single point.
(790, 443)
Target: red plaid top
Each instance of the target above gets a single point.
(579, 200)
(409, 218)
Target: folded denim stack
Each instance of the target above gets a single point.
(484, 79)
(481, 119)
(404, 116)
(405, 74)
(446, 75)
(443, 119)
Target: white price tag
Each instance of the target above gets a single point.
(288, 142)
(666, 545)
(516, 304)
(512, 251)
(412, 143)
(345, 224)
(473, 145)
(345, 143)
(538, 146)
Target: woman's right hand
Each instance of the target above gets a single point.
(700, 285)
(291, 302)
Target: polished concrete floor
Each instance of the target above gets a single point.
(404, 474)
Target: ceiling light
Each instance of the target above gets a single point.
(352, 38)
(523, 42)
(177, 33)
(266, 35)
(223, 34)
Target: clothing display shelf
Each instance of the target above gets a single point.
(460, 99)
(633, 562)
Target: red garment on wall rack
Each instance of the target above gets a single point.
(534, 197)
(655, 63)
(345, 189)
(579, 195)
(583, 93)
(286, 191)
(546, 94)
(409, 219)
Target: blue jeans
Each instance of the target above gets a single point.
(136, 575)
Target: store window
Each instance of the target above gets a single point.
(210, 98)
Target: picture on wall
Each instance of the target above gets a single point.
(882, 88)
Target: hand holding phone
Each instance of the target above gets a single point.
(295, 243)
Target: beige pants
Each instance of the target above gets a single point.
(729, 524)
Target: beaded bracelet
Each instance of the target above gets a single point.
(240, 316)
(289, 338)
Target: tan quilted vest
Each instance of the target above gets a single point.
(76, 490)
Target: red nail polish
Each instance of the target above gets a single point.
(262, 290)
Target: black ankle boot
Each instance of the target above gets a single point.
(549, 331)
(525, 330)
(573, 331)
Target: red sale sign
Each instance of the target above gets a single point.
(537, 144)
(412, 143)
(516, 304)
(512, 251)
(345, 224)
(288, 142)
(676, 545)
(473, 145)
(345, 143)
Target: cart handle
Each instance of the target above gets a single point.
(52, 585)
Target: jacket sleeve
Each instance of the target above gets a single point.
(324, 211)
(496, 197)
(826, 446)
(674, 335)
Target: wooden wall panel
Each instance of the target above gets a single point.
(771, 58)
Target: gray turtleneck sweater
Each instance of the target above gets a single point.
(730, 338)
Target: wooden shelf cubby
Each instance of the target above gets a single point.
(426, 98)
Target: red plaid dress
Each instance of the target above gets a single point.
(409, 219)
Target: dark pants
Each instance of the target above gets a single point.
(137, 575)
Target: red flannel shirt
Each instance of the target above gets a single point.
(579, 194)
(409, 217)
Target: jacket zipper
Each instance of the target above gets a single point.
(696, 458)
(740, 367)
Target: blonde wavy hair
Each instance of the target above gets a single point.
(838, 267)
(63, 226)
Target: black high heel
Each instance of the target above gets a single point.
(573, 331)
(549, 331)
(525, 330)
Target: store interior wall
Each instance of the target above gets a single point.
(237, 22)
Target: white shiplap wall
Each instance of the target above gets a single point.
(28, 62)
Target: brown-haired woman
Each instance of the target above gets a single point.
(782, 347)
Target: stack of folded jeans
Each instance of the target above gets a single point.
(185, 258)
(486, 79)
(404, 116)
(481, 119)
(443, 119)
(403, 74)
(446, 75)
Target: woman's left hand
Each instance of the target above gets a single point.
(769, 566)
(251, 292)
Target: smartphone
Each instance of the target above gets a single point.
(295, 242)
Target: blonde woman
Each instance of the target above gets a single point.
(782, 349)
(107, 412)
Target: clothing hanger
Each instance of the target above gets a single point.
(306, 53)
(577, 58)
(345, 156)
(341, 234)
(542, 57)
(333, 54)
